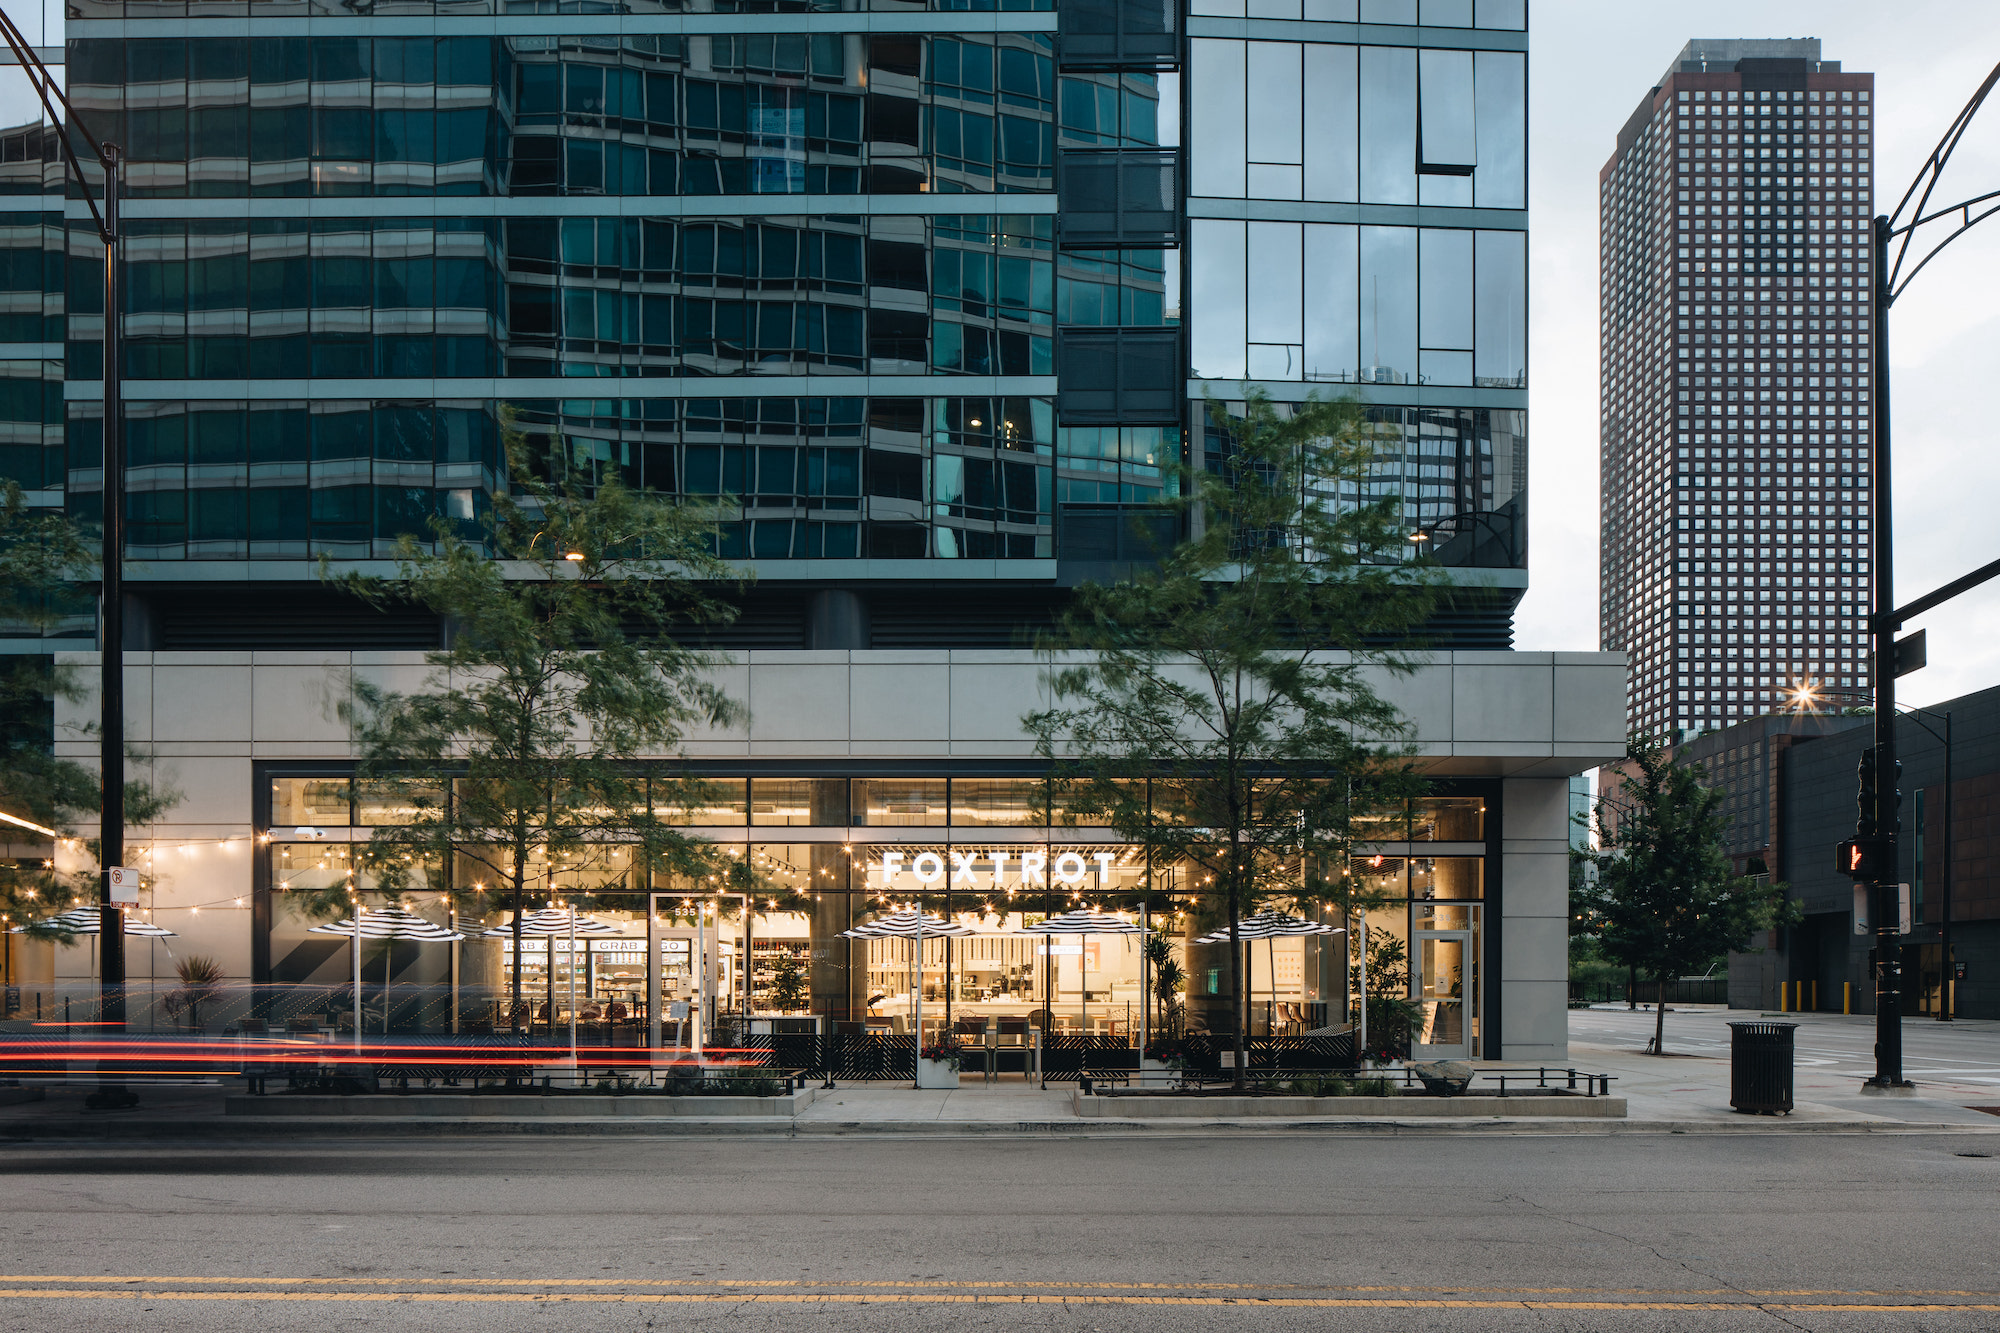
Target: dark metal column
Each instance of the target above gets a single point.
(1882, 637)
(111, 631)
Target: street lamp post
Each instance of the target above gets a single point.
(1897, 232)
(111, 612)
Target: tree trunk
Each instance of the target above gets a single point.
(1660, 1016)
(1236, 1001)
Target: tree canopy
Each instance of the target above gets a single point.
(45, 570)
(1665, 900)
(1223, 704)
(536, 757)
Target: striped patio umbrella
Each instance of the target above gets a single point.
(388, 923)
(1269, 924)
(383, 923)
(909, 925)
(85, 921)
(1082, 921)
(547, 922)
(555, 921)
(916, 927)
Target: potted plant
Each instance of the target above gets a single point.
(790, 989)
(937, 1063)
(201, 981)
(1165, 1053)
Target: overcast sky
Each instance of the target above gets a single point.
(1590, 64)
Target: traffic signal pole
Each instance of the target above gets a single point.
(1882, 623)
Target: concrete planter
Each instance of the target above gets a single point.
(936, 1074)
(461, 1106)
(1347, 1108)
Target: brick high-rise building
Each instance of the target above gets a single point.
(1735, 300)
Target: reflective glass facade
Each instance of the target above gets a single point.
(1011, 262)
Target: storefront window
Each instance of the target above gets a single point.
(997, 802)
(771, 920)
(397, 803)
(1427, 819)
(883, 802)
(716, 803)
(798, 801)
(309, 802)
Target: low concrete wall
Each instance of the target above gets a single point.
(1400, 1108)
(502, 1106)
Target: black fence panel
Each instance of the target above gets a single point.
(1686, 990)
(1331, 1051)
(1065, 1055)
(871, 1058)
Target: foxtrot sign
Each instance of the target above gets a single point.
(1036, 867)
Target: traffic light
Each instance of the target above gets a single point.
(1866, 801)
(1889, 813)
(1875, 818)
(1864, 860)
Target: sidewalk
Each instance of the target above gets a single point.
(1685, 1092)
(1955, 1066)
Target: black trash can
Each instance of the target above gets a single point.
(1760, 1067)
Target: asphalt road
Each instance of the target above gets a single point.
(1072, 1232)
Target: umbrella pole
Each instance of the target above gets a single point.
(572, 994)
(1362, 1050)
(357, 974)
(917, 997)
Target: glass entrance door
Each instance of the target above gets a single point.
(1445, 988)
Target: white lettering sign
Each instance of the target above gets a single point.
(963, 868)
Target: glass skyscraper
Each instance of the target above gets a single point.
(933, 294)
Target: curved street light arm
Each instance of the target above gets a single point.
(1909, 229)
(64, 120)
(1926, 182)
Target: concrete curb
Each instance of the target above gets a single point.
(290, 1129)
(502, 1107)
(1230, 1109)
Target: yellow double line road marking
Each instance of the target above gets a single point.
(286, 1290)
(1744, 1294)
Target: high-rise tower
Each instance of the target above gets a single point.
(1735, 297)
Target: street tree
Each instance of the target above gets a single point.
(537, 753)
(45, 573)
(1665, 900)
(1239, 674)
